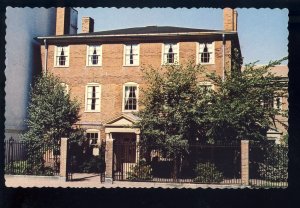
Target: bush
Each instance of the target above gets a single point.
(141, 171)
(275, 164)
(207, 173)
(23, 167)
(94, 164)
(17, 167)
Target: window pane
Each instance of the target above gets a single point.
(206, 53)
(130, 99)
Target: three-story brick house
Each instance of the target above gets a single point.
(102, 70)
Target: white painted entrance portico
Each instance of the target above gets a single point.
(119, 129)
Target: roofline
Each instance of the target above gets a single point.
(83, 36)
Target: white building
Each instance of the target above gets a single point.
(22, 60)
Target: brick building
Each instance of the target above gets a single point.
(102, 69)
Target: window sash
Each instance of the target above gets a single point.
(62, 60)
(131, 58)
(94, 59)
(130, 98)
(93, 98)
(170, 57)
(93, 137)
(206, 57)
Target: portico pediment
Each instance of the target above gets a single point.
(122, 120)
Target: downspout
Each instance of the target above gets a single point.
(223, 61)
(46, 56)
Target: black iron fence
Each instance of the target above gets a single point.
(84, 159)
(214, 164)
(23, 158)
(268, 165)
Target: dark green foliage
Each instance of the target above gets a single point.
(17, 168)
(141, 171)
(93, 164)
(51, 115)
(23, 167)
(275, 164)
(237, 109)
(174, 107)
(207, 173)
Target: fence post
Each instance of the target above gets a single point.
(245, 162)
(109, 157)
(63, 157)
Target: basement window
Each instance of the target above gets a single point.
(93, 136)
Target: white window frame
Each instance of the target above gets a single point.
(67, 56)
(137, 54)
(86, 97)
(88, 63)
(205, 83)
(130, 84)
(65, 86)
(93, 131)
(176, 58)
(275, 103)
(213, 53)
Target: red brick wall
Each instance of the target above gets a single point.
(112, 74)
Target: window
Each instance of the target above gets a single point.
(206, 87)
(278, 103)
(94, 55)
(130, 97)
(170, 53)
(62, 56)
(92, 98)
(206, 53)
(93, 136)
(131, 55)
(66, 87)
(268, 102)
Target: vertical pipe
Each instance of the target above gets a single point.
(46, 56)
(223, 61)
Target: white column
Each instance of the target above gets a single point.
(137, 155)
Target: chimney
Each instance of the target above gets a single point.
(62, 21)
(230, 19)
(87, 25)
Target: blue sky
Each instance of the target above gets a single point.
(263, 33)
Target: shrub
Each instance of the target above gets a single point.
(275, 164)
(23, 167)
(207, 173)
(141, 171)
(94, 164)
(17, 167)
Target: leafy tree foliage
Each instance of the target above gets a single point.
(242, 105)
(174, 106)
(51, 115)
(178, 111)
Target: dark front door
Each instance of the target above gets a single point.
(124, 153)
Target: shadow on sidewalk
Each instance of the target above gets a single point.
(84, 177)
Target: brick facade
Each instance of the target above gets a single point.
(111, 74)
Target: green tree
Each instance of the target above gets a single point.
(173, 108)
(51, 115)
(242, 105)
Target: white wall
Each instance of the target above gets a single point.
(22, 60)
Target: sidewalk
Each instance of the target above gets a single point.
(93, 181)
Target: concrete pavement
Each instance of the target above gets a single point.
(93, 181)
